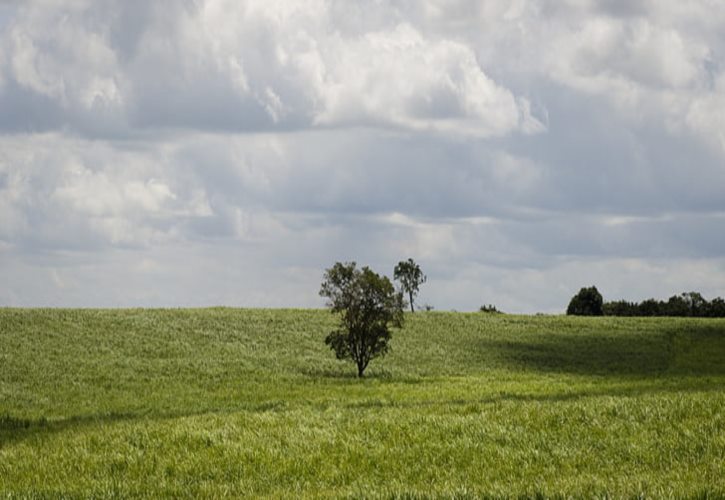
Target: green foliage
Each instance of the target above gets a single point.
(366, 303)
(689, 304)
(489, 308)
(248, 403)
(650, 307)
(619, 308)
(411, 277)
(716, 308)
(587, 302)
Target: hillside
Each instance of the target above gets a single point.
(236, 402)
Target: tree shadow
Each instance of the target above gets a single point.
(684, 348)
(341, 374)
(349, 375)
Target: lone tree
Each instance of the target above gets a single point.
(410, 277)
(588, 302)
(367, 304)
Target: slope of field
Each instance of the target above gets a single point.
(234, 402)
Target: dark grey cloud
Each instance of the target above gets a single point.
(25, 111)
(596, 161)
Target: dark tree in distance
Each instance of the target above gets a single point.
(367, 304)
(650, 307)
(676, 305)
(410, 277)
(716, 308)
(696, 303)
(588, 302)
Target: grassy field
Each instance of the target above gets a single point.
(216, 402)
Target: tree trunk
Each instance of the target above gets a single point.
(360, 370)
(411, 302)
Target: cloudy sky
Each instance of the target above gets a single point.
(225, 152)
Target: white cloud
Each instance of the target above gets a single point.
(519, 150)
(66, 61)
(68, 193)
(98, 195)
(654, 61)
(255, 64)
(605, 51)
(399, 77)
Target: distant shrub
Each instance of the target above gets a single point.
(489, 308)
(587, 302)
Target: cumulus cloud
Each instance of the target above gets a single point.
(246, 66)
(223, 152)
(403, 79)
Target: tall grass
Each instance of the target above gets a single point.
(228, 402)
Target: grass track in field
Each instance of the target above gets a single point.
(222, 401)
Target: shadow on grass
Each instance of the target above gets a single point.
(674, 359)
(15, 430)
(635, 389)
(684, 348)
(349, 375)
(346, 373)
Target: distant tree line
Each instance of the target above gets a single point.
(690, 304)
(589, 302)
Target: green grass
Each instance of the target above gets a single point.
(214, 402)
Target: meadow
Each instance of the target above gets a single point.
(251, 403)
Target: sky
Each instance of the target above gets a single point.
(224, 152)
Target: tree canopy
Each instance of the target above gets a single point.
(367, 304)
(411, 277)
(587, 302)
